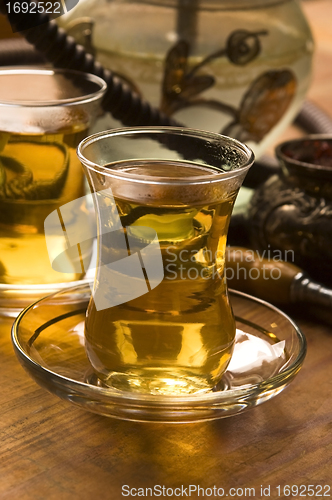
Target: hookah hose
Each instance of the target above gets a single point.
(63, 52)
(17, 51)
(60, 49)
(55, 46)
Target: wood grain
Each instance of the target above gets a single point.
(52, 450)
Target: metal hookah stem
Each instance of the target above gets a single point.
(186, 22)
(303, 289)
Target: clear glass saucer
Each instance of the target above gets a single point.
(48, 339)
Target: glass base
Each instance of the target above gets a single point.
(157, 382)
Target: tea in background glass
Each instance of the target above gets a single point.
(159, 320)
(44, 114)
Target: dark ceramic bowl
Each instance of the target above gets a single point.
(310, 156)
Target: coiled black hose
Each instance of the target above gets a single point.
(313, 119)
(63, 52)
(55, 46)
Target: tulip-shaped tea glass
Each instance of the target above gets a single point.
(159, 320)
(44, 114)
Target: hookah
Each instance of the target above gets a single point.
(55, 46)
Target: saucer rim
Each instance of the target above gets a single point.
(123, 397)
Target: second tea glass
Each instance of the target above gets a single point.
(44, 114)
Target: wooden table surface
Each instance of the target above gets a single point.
(52, 450)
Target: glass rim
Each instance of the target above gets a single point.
(150, 179)
(41, 71)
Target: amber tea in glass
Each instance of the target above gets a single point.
(44, 114)
(159, 320)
